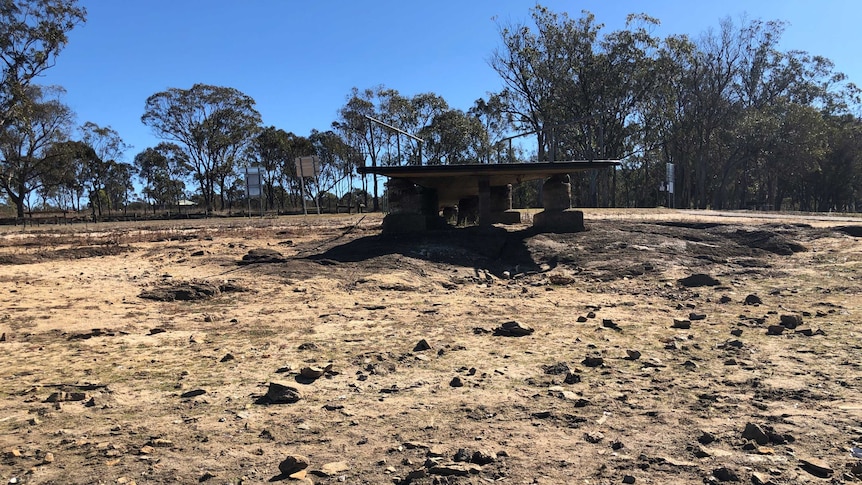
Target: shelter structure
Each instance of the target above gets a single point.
(417, 194)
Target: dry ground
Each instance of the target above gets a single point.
(106, 380)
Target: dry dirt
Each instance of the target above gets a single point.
(146, 353)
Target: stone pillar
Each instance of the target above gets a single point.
(405, 208)
(558, 215)
(557, 193)
(484, 201)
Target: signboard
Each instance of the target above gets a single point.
(253, 181)
(669, 177)
(308, 166)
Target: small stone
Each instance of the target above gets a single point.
(724, 299)
(456, 382)
(594, 437)
(632, 354)
(227, 358)
(34, 421)
(147, 450)
(818, 468)
(582, 319)
(775, 330)
(628, 479)
(725, 474)
(3, 337)
(593, 361)
(608, 323)
(293, 464)
(454, 469)
(617, 445)
(49, 458)
(681, 323)
(591, 315)
(736, 332)
(422, 345)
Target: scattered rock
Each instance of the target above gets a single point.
(582, 319)
(697, 280)
(791, 321)
(462, 455)
(593, 361)
(307, 346)
(262, 256)
(482, 457)
(3, 337)
(681, 323)
(456, 382)
(628, 479)
(755, 433)
(333, 468)
(725, 474)
(775, 330)
(512, 328)
(48, 458)
(608, 323)
(292, 465)
(147, 450)
(752, 300)
(453, 469)
(192, 393)
(736, 332)
(66, 396)
(421, 346)
(227, 358)
(572, 378)
(632, 354)
(696, 316)
(556, 369)
(818, 468)
(279, 393)
(724, 299)
(312, 372)
(594, 437)
(758, 478)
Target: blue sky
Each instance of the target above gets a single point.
(299, 59)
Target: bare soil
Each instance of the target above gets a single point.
(165, 353)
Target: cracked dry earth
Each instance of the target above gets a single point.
(658, 347)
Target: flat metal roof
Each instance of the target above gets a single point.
(454, 182)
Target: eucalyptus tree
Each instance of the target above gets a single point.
(163, 170)
(26, 158)
(32, 34)
(212, 124)
(354, 124)
(454, 138)
(496, 124)
(103, 173)
(336, 159)
(270, 150)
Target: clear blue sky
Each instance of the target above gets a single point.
(299, 59)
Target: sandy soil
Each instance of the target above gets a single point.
(147, 353)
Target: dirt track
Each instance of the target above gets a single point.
(144, 353)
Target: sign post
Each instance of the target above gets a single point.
(670, 178)
(306, 167)
(253, 186)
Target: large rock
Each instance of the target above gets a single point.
(292, 465)
(697, 280)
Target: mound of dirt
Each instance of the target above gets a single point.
(767, 241)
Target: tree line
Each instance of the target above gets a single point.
(745, 124)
